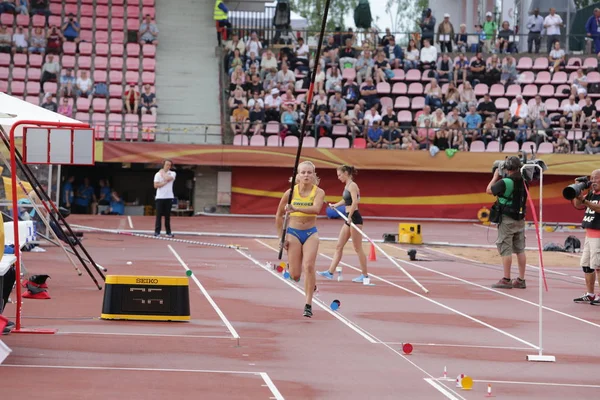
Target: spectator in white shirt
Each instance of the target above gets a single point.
(571, 110)
(253, 45)
(552, 24)
(518, 110)
(428, 56)
(557, 58)
(84, 85)
(268, 62)
(285, 78)
(580, 83)
(273, 105)
(19, 40)
(302, 52)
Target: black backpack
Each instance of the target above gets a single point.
(572, 244)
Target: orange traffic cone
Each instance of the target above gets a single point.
(372, 254)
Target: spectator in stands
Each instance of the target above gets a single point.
(321, 100)
(37, 41)
(257, 116)
(552, 23)
(117, 206)
(252, 61)
(104, 193)
(220, 14)
(238, 78)
(518, 110)
(235, 61)
(571, 111)
(148, 32)
(427, 26)
(375, 136)
(480, 39)
(562, 144)
(368, 93)
(270, 80)
(240, 119)
(395, 55)
(543, 126)
(21, 7)
(333, 79)
(509, 72)
(490, 27)
(350, 91)
(84, 85)
(49, 71)
(425, 135)
(461, 68)
(438, 118)
(364, 66)
(8, 7)
(84, 198)
(535, 24)
(557, 58)
(268, 63)
(444, 70)
(504, 43)
(593, 143)
(392, 139)
(467, 97)
(337, 106)
(433, 95)
(238, 95)
(148, 104)
(493, 71)
(70, 29)
(588, 113)
(445, 34)
(536, 107)
(131, 98)
(289, 119)
(256, 98)
(442, 138)
(5, 40)
(288, 99)
(371, 116)
(462, 39)
(580, 83)
(489, 132)
(428, 57)
(235, 43)
(54, 41)
(382, 70)
(523, 132)
(40, 7)
(347, 56)
(592, 28)
(272, 105)
(285, 78)
(323, 125)
(19, 42)
(355, 120)
(319, 79)
(255, 86)
(477, 70)
(473, 123)
(65, 108)
(487, 108)
(302, 51)
(451, 98)
(49, 103)
(253, 45)
(458, 141)
(411, 59)
(388, 121)
(424, 117)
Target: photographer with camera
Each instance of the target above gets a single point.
(509, 213)
(586, 192)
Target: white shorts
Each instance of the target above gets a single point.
(590, 257)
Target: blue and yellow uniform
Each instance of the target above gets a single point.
(298, 202)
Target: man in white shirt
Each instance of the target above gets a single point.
(163, 183)
(428, 56)
(518, 110)
(552, 24)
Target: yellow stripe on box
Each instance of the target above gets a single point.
(146, 317)
(146, 280)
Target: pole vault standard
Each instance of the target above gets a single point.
(46, 143)
(542, 279)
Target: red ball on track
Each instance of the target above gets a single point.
(407, 348)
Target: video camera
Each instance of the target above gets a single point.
(529, 174)
(574, 190)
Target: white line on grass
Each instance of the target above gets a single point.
(498, 291)
(130, 222)
(277, 395)
(440, 388)
(205, 293)
(363, 332)
(533, 346)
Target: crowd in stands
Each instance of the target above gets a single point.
(380, 94)
(89, 60)
(83, 198)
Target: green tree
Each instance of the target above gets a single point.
(313, 11)
(584, 3)
(404, 15)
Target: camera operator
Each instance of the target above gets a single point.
(510, 207)
(590, 255)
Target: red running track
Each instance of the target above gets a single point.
(355, 353)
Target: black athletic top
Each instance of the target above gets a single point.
(347, 196)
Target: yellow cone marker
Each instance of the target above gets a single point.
(466, 383)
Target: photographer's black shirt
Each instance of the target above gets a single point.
(591, 219)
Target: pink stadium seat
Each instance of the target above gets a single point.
(114, 133)
(502, 103)
(477, 146)
(131, 119)
(560, 89)
(383, 88)
(402, 103)
(590, 62)
(417, 103)
(86, 23)
(133, 50)
(133, 24)
(55, 20)
(131, 133)
(20, 60)
(115, 91)
(99, 132)
(512, 90)
(559, 78)
(101, 63)
(530, 91)
(148, 119)
(149, 10)
(240, 140)
(399, 88)
(257, 140)
(117, 24)
(115, 119)
(525, 63)
(33, 88)
(526, 146)
(325, 142)
(131, 76)
(290, 141)
(342, 143)
(83, 104)
(527, 77)
(386, 102)
(133, 12)
(68, 62)
(4, 74)
(149, 136)
(404, 116)
(4, 59)
(148, 3)
(493, 146)
(273, 141)
(133, 64)
(116, 49)
(101, 24)
(82, 116)
(149, 51)
(551, 105)
(86, 10)
(34, 74)
(7, 19)
(511, 147)
(340, 130)
(272, 128)
(309, 142)
(50, 87)
(116, 64)
(100, 2)
(55, 9)
(543, 77)
(86, 35)
(18, 74)
(101, 37)
(481, 89)
(546, 91)
(540, 64)
(84, 62)
(571, 64)
(40, 20)
(33, 100)
(22, 20)
(349, 73)
(415, 88)
(100, 76)
(148, 78)
(413, 75)
(3, 86)
(101, 49)
(359, 143)
(118, 13)
(545, 148)
(398, 75)
(101, 11)
(133, 3)
(85, 49)
(115, 105)
(99, 105)
(18, 88)
(497, 90)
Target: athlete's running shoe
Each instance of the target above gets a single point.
(359, 279)
(519, 283)
(325, 274)
(596, 301)
(308, 311)
(586, 298)
(503, 284)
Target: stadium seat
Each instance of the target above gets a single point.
(257, 140)
(359, 143)
(273, 141)
(339, 130)
(477, 146)
(526, 146)
(341, 143)
(290, 141)
(131, 132)
(511, 147)
(545, 148)
(309, 142)
(493, 146)
(399, 88)
(325, 142)
(386, 102)
(240, 140)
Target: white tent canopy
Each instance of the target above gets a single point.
(13, 109)
(297, 21)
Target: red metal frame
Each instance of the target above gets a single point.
(13, 175)
(48, 161)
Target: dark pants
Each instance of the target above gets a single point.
(163, 209)
(6, 286)
(534, 37)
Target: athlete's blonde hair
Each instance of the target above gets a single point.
(316, 179)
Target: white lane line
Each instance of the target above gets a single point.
(500, 292)
(96, 368)
(440, 388)
(529, 265)
(130, 222)
(370, 337)
(462, 314)
(205, 293)
(276, 394)
(159, 335)
(317, 302)
(463, 346)
(577, 385)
